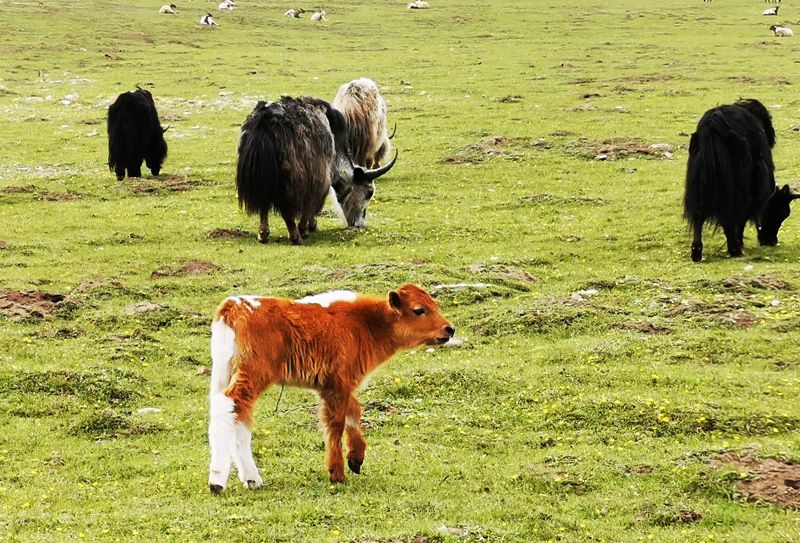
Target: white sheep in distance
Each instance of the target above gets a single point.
(208, 20)
(782, 31)
(318, 15)
(227, 5)
(294, 13)
(168, 8)
(418, 4)
(771, 11)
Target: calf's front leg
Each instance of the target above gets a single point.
(356, 444)
(334, 413)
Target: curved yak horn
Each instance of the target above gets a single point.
(369, 175)
(393, 131)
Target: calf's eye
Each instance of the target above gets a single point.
(419, 311)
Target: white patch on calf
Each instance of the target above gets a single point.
(327, 298)
(223, 348)
(252, 300)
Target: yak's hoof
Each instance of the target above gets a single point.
(697, 254)
(263, 237)
(252, 485)
(354, 465)
(216, 489)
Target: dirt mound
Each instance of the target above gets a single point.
(487, 147)
(166, 183)
(645, 328)
(17, 189)
(193, 267)
(501, 270)
(50, 196)
(224, 233)
(739, 283)
(728, 312)
(23, 305)
(771, 480)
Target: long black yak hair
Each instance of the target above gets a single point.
(730, 173)
(135, 134)
(285, 156)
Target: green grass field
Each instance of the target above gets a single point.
(561, 418)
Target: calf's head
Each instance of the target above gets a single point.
(419, 321)
(775, 213)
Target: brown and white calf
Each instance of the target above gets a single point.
(328, 343)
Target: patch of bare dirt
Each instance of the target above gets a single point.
(23, 305)
(487, 147)
(506, 272)
(51, 196)
(166, 183)
(193, 267)
(142, 307)
(647, 78)
(645, 328)
(728, 312)
(224, 233)
(784, 364)
(619, 148)
(460, 19)
(509, 99)
(581, 107)
(740, 283)
(769, 480)
(3, 245)
(19, 189)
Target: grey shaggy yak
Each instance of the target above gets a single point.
(292, 152)
(364, 110)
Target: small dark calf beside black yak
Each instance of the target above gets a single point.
(135, 135)
(730, 176)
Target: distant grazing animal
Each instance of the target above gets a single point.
(782, 31)
(208, 20)
(292, 152)
(771, 11)
(168, 8)
(319, 15)
(295, 13)
(328, 343)
(227, 5)
(364, 110)
(730, 176)
(418, 4)
(135, 135)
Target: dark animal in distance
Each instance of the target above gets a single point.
(329, 343)
(730, 176)
(291, 153)
(135, 135)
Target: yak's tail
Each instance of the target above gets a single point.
(711, 179)
(757, 109)
(258, 169)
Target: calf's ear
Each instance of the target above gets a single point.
(395, 302)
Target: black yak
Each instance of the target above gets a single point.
(135, 134)
(364, 110)
(730, 176)
(292, 152)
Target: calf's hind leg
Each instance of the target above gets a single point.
(334, 413)
(356, 444)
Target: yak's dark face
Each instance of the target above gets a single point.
(353, 197)
(157, 154)
(775, 213)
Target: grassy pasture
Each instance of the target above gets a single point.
(561, 418)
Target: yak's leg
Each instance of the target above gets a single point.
(263, 228)
(135, 169)
(334, 413)
(308, 224)
(697, 242)
(291, 226)
(741, 236)
(222, 440)
(732, 235)
(356, 444)
(119, 169)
